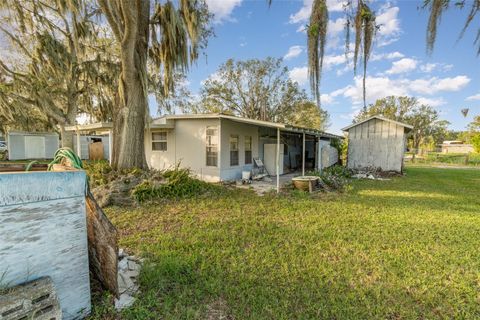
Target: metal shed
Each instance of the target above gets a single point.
(31, 145)
(377, 143)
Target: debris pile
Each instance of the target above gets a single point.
(128, 271)
(375, 174)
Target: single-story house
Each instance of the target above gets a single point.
(219, 147)
(31, 145)
(377, 143)
(455, 146)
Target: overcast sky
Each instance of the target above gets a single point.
(448, 80)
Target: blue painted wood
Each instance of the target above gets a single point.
(24, 187)
(43, 232)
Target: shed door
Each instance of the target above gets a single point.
(34, 147)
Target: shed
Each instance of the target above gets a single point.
(87, 142)
(377, 143)
(31, 145)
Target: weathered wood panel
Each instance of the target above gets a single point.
(24, 187)
(43, 232)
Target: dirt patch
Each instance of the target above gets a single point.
(218, 310)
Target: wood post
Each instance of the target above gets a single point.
(303, 155)
(110, 146)
(277, 160)
(79, 146)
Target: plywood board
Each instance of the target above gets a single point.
(43, 232)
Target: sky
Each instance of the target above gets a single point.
(448, 80)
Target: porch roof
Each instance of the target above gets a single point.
(261, 123)
(107, 126)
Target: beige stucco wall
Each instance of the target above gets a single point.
(378, 144)
(457, 148)
(186, 144)
(241, 129)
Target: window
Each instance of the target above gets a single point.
(159, 141)
(234, 150)
(248, 150)
(212, 146)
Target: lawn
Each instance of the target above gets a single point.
(401, 249)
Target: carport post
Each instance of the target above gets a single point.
(110, 146)
(79, 147)
(303, 155)
(277, 160)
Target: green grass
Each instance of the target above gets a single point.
(456, 159)
(401, 249)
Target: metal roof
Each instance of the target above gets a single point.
(261, 123)
(380, 118)
(153, 125)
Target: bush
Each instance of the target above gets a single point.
(335, 177)
(99, 172)
(339, 171)
(178, 183)
(475, 140)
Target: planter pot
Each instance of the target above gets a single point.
(305, 183)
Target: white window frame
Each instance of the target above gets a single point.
(208, 145)
(234, 136)
(162, 140)
(248, 138)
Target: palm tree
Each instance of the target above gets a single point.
(438, 7)
(359, 16)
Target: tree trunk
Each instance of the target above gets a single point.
(130, 122)
(66, 137)
(129, 130)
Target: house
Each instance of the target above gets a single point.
(377, 143)
(219, 147)
(456, 147)
(31, 145)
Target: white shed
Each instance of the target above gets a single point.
(31, 145)
(378, 143)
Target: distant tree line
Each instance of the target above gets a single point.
(429, 130)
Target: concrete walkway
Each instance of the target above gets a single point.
(268, 184)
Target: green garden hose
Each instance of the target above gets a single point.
(66, 153)
(30, 164)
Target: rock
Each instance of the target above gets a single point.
(123, 264)
(124, 301)
(371, 177)
(132, 274)
(132, 265)
(125, 283)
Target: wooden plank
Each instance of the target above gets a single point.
(102, 246)
(25, 187)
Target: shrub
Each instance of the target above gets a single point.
(178, 183)
(335, 177)
(339, 171)
(99, 172)
(475, 140)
